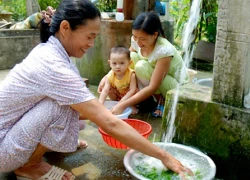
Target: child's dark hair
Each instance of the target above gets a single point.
(148, 22)
(120, 50)
(76, 12)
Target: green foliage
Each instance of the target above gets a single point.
(206, 29)
(17, 7)
(208, 22)
(19, 10)
(20, 7)
(45, 3)
(106, 5)
(179, 10)
(4, 8)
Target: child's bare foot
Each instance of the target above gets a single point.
(37, 170)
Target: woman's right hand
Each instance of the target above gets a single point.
(171, 163)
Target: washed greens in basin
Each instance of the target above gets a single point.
(144, 167)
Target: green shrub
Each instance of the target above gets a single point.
(17, 7)
(206, 29)
(45, 3)
(19, 10)
(106, 5)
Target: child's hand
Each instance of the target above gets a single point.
(101, 84)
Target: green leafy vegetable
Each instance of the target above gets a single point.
(155, 174)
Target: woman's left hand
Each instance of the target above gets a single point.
(117, 109)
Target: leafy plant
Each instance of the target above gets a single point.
(179, 10)
(208, 23)
(106, 5)
(45, 3)
(17, 7)
(206, 29)
(19, 10)
(4, 8)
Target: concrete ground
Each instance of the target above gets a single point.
(98, 160)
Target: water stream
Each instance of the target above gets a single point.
(187, 39)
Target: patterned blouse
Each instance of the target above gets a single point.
(47, 72)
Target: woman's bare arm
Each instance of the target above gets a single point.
(120, 130)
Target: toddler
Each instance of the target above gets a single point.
(120, 83)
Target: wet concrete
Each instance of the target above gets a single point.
(98, 160)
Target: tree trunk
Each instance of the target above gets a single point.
(151, 5)
(128, 6)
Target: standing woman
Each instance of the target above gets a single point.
(157, 63)
(42, 97)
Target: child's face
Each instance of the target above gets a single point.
(119, 63)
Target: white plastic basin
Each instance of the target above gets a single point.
(205, 82)
(124, 115)
(190, 157)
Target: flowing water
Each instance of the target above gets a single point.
(187, 39)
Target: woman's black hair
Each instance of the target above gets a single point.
(76, 12)
(148, 22)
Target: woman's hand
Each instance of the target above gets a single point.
(117, 109)
(171, 163)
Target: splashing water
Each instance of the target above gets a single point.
(154, 138)
(188, 54)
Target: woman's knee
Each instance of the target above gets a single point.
(143, 69)
(9, 163)
(141, 65)
(168, 83)
(134, 57)
(50, 108)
